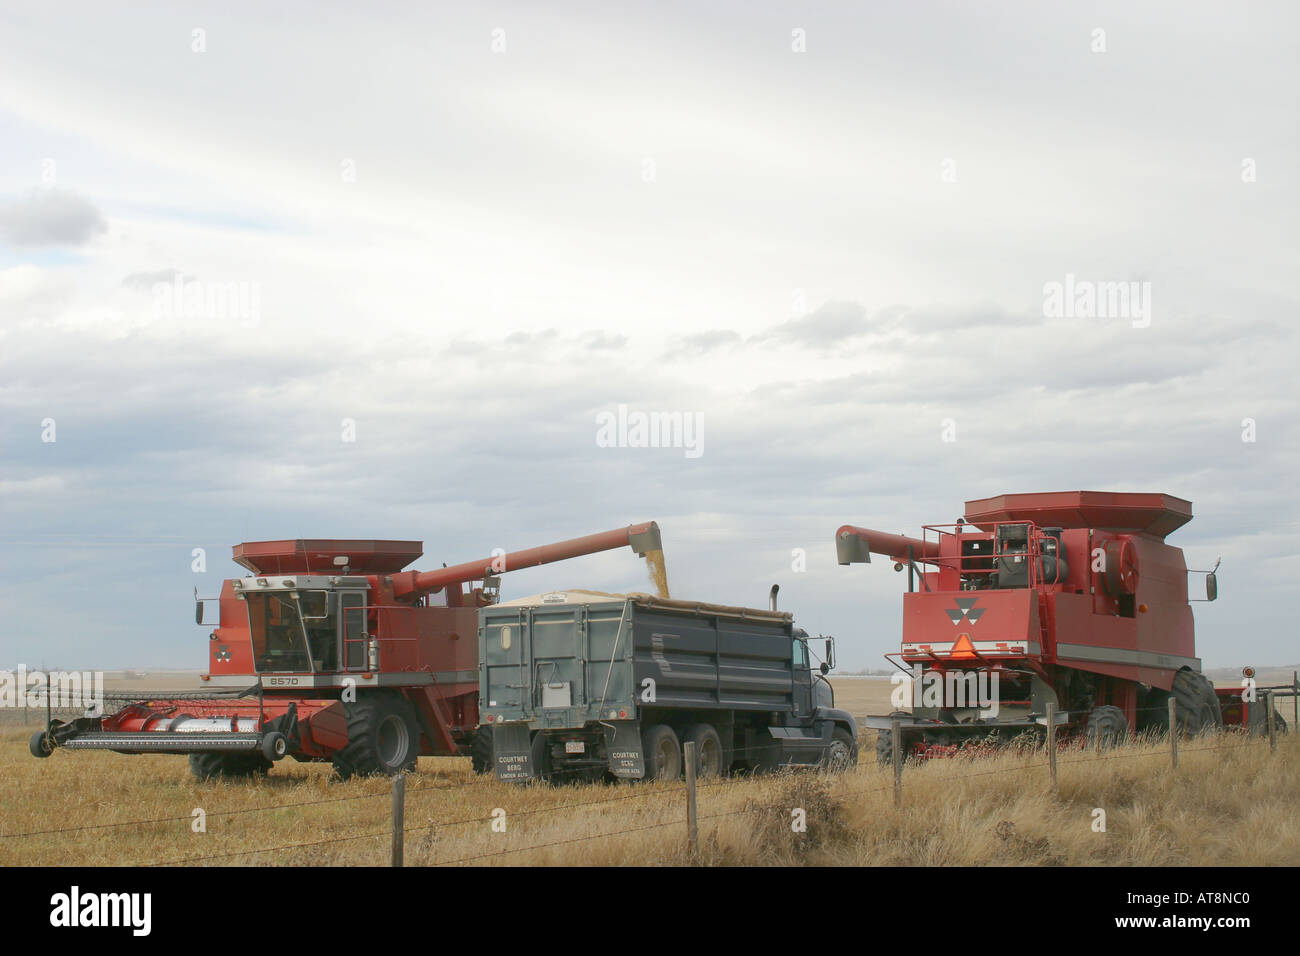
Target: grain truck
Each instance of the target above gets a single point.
(578, 685)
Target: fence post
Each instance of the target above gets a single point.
(1173, 732)
(1272, 723)
(1051, 743)
(399, 813)
(692, 821)
(896, 738)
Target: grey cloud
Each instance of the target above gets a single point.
(145, 281)
(703, 343)
(603, 341)
(824, 328)
(50, 216)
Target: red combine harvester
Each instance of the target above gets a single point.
(330, 651)
(1068, 598)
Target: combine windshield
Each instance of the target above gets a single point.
(293, 631)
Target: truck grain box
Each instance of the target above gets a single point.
(578, 684)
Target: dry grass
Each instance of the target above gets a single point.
(1232, 804)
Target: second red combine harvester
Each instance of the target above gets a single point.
(329, 651)
(1068, 598)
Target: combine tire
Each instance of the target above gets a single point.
(480, 751)
(382, 738)
(663, 753)
(1106, 727)
(842, 754)
(885, 742)
(708, 751)
(274, 746)
(40, 745)
(213, 766)
(1197, 706)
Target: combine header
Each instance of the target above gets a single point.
(1069, 598)
(329, 651)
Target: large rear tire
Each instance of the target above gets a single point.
(1196, 705)
(382, 738)
(662, 752)
(1106, 728)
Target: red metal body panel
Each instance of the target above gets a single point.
(1055, 585)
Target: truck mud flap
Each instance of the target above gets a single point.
(623, 743)
(512, 753)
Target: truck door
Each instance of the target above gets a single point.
(802, 696)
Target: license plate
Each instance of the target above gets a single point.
(575, 747)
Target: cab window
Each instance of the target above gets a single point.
(800, 654)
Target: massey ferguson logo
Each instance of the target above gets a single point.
(965, 611)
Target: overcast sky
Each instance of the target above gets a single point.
(823, 231)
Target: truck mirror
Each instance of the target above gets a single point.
(826, 668)
(1211, 586)
(198, 612)
(830, 654)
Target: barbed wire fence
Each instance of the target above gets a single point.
(679, 800)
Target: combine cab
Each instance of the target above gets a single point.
(1069, 598)
(330, 651)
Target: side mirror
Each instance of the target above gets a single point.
(830, 655)
(826, 668)
(1211, 586)
(198, 612)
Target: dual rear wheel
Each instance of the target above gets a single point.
(664, 753)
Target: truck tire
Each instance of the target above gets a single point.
(843, 752)
(1106, 727)
(662, 751)
(382, 738)
(480, 750)
(708, 751)
(885, 742)
(213, 766)
(543, 765)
